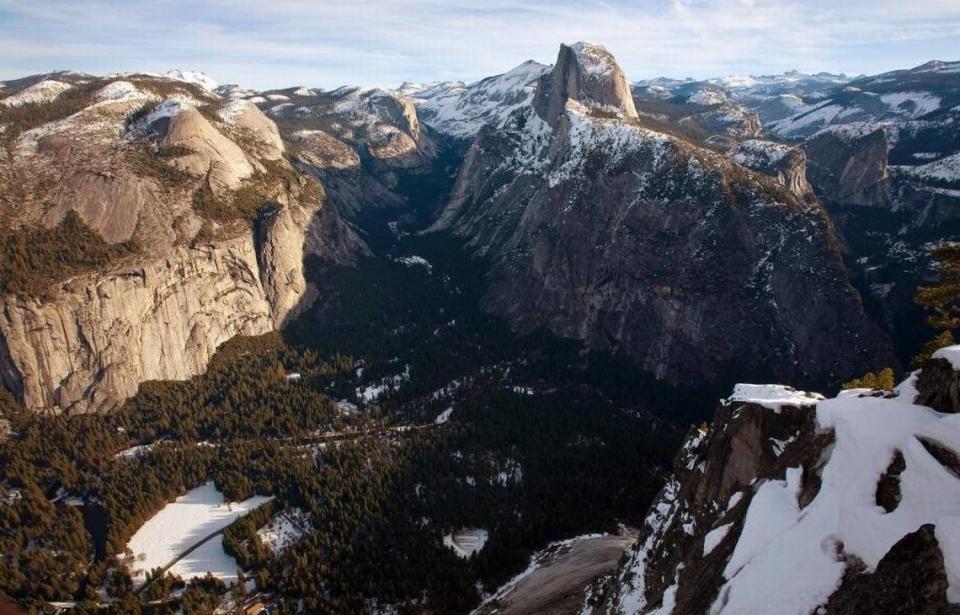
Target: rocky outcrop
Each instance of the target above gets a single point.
(358, 142)
(938, 386)
(248, 117)
(586, 74)
(787, 164)
(909, 579)
(849, 167)
(639, 242)
(792, 502)
(715, 473)
(206, 152)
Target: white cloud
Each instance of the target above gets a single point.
(274, 43)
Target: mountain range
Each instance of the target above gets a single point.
(554, 232)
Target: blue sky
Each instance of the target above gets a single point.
(326, 43)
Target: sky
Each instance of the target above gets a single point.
(326, 43)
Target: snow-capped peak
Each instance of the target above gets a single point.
(192, 76)
(460, 110)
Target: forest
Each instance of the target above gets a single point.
(544, 441)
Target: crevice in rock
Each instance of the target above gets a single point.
(888, 487)
(944, 456)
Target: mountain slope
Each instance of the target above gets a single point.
(460, 110)
(632, 240)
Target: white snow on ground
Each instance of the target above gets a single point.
(183, 523)
(773, 396)
(168, 108)
(467, 541)
(715, 537)
(460, 110)
(817, 117)
(907, 390)
(950, 353)
(707, 97)
(945, 169)
(208, 557)
(594, 60)
(851, 130)
(588, 135)
(284, 530)
(756, 153)
(192, 76)
(121, 91)
(414, 261)
(634, 598)
(136, 451)
(923, 103)
(234, 109)
(947, 534)
(42, 92)
(371, 392)
(787, 559)
(303, 91)
(346, 406)
(277, 97)
(444, 416)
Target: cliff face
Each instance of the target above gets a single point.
(222, 222)
(91, 347)
(790, 502)
(642, 243)
(585, 74)
(787, 164)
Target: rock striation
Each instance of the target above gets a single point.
(222, 223)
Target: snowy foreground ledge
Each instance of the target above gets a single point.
(783, 541)
(785, 558)
(182, 524)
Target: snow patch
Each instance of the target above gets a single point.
(467, 541)
(183, 523)
(284, 530)
(194, 77)
(911, 104)
(772, 396)
(45, 91)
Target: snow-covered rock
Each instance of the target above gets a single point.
(807, 508)
(772, 396)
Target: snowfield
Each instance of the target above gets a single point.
(182, 524)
